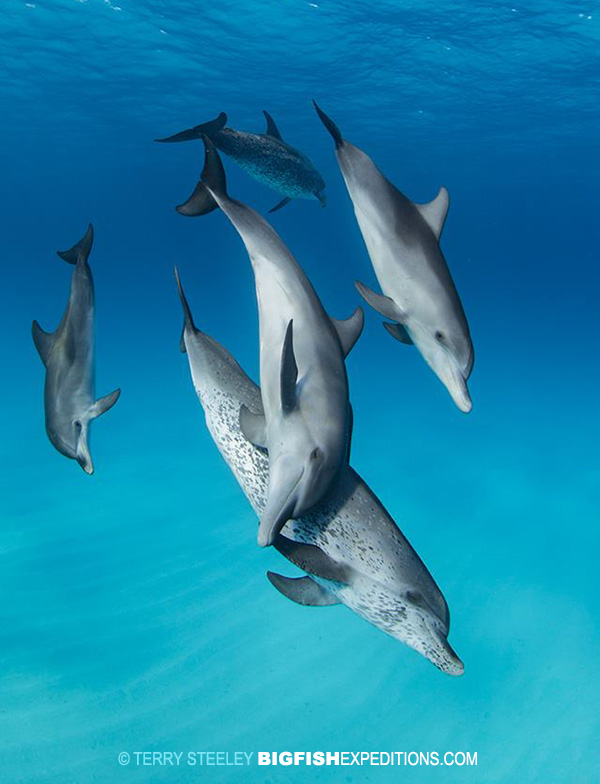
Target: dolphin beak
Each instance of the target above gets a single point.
(451, 376)
(445, 658)
(280, 507)
(86, 465)
(321, 198)
(84, 458)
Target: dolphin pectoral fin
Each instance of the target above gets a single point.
(199, 203)
(43, 341)
(81, 250)
(272, 129)
(302, 590)
(191, 134)
(280, 204)
(435, 212)
(103, 404)
(399, 332)
(331, 127)
(253, 427)
(289, 371)
(312, 559)
(349, 330)
(379, 302)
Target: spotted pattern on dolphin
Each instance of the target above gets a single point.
(385, 581)
(264, 156)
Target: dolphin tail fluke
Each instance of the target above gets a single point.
(103, 404)
(81, 249)
(212, 184)
(331, 126)
(188, 320)
(205, 129)
(302, 590)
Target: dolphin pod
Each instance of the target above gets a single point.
(419, 295)
(350, 549)
(264, 156)
(287, 442)
(68, 355)
(306, 422)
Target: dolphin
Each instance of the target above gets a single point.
(349, 547)
(306, 424)
(264, 156)
(68, 355)
(419, 295)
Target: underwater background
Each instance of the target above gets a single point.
(135, 612)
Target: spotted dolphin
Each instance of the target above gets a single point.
(350, 549)
(264, 156)
(307, 419)
(68, 355)
(419, 295)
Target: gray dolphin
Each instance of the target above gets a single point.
(68, 355)
(264, 156)
(351, 550)
(306, 422)
(419, 295)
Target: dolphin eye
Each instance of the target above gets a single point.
(77, 425)
(439, 336)
(315, 454)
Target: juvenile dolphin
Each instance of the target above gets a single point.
(68, 355)
(419, 295)
(264, 156)
(350, 549)
(306, 422)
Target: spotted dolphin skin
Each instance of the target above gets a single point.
(350, 549)
(68, 355)
(264, 156)
(306, 422)
(419, 295)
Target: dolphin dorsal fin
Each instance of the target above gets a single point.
(44, 341)
(302, 590)
(103, 404)
(272, 129)
(435, 212)
(349, 330)
(253, 427)
(289, 371)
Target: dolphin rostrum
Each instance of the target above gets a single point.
(306, 424)
(350, 549)
(68, 355)
(264, 156)
(402, 239)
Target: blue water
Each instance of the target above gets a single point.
(135, 611)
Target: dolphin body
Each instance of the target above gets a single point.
(419, 295)
(349, 547)
(264, 156)
(68, 355)
(306, 424)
